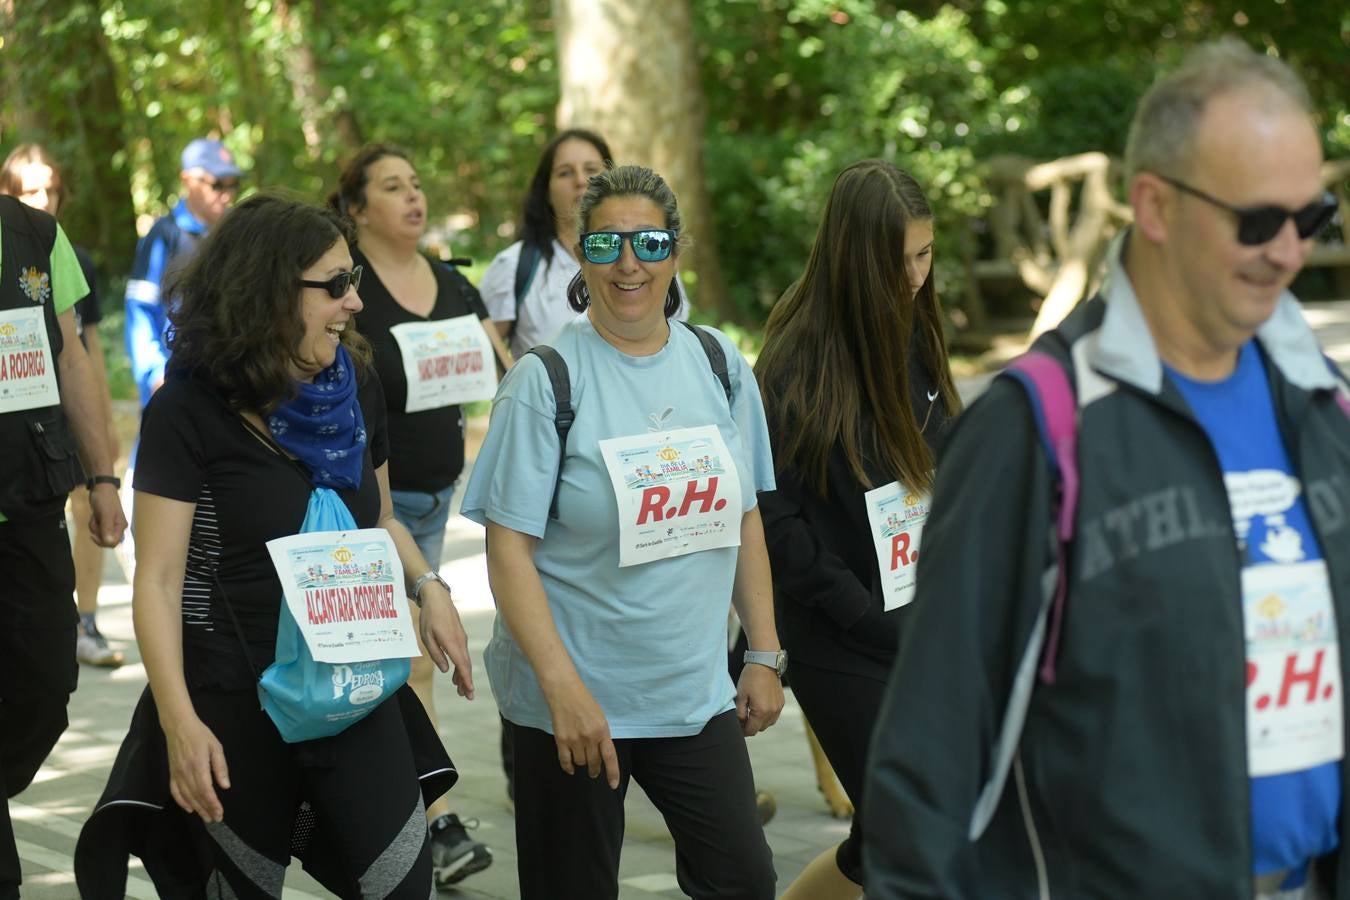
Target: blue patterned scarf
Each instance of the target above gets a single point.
(323, 426)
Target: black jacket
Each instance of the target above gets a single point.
(1131, 779)
(827, 587)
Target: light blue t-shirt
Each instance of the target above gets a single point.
(1294, 815)
(649, 641)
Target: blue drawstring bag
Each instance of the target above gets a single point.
(308, 699)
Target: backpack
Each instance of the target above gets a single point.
(564, 415)
(527, 264)
(1054, 407)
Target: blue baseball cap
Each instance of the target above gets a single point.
(211, 157)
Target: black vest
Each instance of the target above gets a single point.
(38, 465)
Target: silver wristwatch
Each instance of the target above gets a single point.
(774, 659)
(423, 581)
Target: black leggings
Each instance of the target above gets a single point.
(569, 828)
(38, 670)
(360, 784)
(842, 710)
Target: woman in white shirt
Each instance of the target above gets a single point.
(525, 287)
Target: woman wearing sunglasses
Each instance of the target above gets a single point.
(525, 287)
(269, 395)
(410, 300)
(608, 654)
(857, 387)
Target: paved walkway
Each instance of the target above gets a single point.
(48, 815)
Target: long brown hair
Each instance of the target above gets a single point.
(834, 368)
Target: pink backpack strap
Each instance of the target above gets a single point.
(1056, 412)
(1056, 415)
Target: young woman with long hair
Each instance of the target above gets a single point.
(857, 387)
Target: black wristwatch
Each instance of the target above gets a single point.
(104, 479)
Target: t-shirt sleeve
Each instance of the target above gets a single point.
(68, 284)
(376, 416)
(517, 468)
(747, 408)
(498, 287)
(171, 461)
(87, 308)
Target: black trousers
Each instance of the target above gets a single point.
(569, 828)
(842, 710)
(361, 784)
(38, 670)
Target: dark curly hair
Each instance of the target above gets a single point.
(540, 225)
(235, 318)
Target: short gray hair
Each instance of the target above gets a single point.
(1163, 130)
(629, 181)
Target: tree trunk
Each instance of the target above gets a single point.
(629, 70)
(308, 89)
(75, 112)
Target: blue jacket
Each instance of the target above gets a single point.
(159, 255)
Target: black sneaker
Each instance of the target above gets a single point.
(454, 855)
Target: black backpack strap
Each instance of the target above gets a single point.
(526, 265)
(563, 414)
(717, 357)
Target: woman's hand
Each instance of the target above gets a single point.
(443, 636)
(759, 698)
(582, 733)
(196, 766)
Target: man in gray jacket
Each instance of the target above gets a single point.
(1190, 742)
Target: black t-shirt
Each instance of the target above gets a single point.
(426, 449)
(87, 312)
(194, 449)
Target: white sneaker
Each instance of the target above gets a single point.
(91, 648)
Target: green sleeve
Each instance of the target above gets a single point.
(68, 284)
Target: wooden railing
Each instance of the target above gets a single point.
(1056, 245)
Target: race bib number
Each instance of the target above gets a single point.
(896, 515)
(678, 492)
(447, 361)
(27, 368)
(1294, 705)
(345, 590)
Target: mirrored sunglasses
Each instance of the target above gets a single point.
(1260, 224)
(649, 245)
(339, 284)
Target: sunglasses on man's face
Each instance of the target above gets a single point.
(339, 284)
(1258, 225)
(229, 186)
(649, 245)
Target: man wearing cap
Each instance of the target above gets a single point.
(210, 183)
(1185, 734)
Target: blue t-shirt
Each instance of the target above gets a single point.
(1294, 814)
(649, 640)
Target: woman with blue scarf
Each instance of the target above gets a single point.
(269, 399)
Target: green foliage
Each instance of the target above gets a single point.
(837, 83)
(794, 91)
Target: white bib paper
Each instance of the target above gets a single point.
(678, 492)
(446, 361)
(1294, 704)
(897, 516)
(345, 590)
(27, 368)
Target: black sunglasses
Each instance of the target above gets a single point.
(339, 284)
(221, 186)
(1259, 224)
